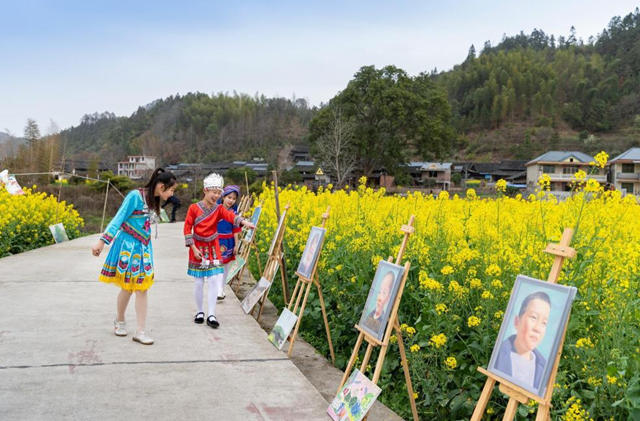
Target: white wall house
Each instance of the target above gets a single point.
(560, 167)
(137, 167)
(625, 171)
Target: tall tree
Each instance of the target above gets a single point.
(394, 115)
(32, 135)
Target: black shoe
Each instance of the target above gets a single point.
(213, 322)
(199, 319)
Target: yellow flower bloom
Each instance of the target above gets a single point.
(438, 340)
(451, 363)
(473, 321)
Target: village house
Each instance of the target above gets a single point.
(560, 166)
(137, 167)
(624, 171)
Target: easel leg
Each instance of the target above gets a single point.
(352, 361)
(262, 300)
(510, 412)
(299, 321)
(481, 406)
(326, 325)
(405, 368)
(238, 278)
(543, 413)
(287, 299)
(376, 374)
(367, 356)
(257, 257)
(299, 291)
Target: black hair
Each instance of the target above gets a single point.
(538, 295)
(159, 176)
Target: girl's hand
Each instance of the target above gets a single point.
(97, 248)
(196, 253)
(236, 248)
(249, 225)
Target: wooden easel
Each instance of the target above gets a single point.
(393, 324)
(244, 252)
(303, 286)
(274, 261)
(518, 395)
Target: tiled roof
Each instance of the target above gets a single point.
(560, 156)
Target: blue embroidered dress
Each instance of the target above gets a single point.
(129, 263)
(226, 231)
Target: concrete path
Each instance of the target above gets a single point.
(59, 358)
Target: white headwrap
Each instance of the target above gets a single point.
(213, 181)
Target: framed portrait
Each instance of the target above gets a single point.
(354, 399)
(59, 233)
(311, 252)
(234, 268)
(381, 297)
(254, 295)
(531, 331)
(277, 233)
(248, 235)
(12, 186)
(283, 328)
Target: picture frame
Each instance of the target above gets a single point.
(532, 329)
(311, 252)
(355, 398)
(277, 233)
(254, 295)
(12, 185)
(58, 233)
(255, 218)
(234, 267)
(282, 328)
(382, 295)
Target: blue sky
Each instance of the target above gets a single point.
(60, 60)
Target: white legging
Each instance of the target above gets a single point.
(215, 285)
(225, 273)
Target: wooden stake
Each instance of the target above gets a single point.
(104, 209)
(517, 394)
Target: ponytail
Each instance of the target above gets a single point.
(159, 176)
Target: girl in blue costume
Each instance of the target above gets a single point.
(129, 263)
(228, 233)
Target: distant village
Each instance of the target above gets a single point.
(622, 172)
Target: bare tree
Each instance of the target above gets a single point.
(284, 158)
(336, 147)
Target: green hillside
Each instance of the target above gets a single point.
(528, 94)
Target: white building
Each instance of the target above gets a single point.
(560, 167)
(137, 167)
(625, 171)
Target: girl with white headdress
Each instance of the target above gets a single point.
(201, 236)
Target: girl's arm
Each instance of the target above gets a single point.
(236, 236)
(230, 216)
(126, 209)
(188, 232)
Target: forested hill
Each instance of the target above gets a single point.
(592, 85)
(195, 127)
(528, 94)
